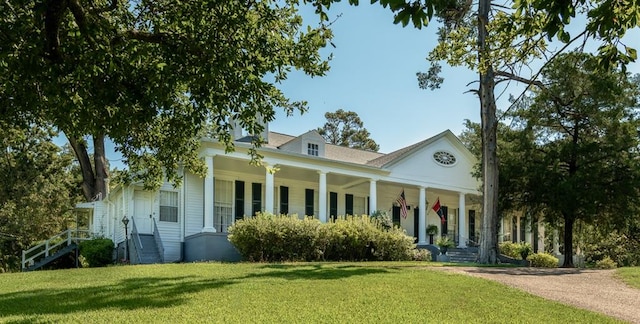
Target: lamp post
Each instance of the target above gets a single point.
(125, 221)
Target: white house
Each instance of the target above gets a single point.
(311, 178)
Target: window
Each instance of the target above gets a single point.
(312, 149)
(223, 205)
(284, 200)
(239, 200)
(308, 202)
(256, 198)
(168, 206)
(348, 204)
(333, 205)
(444, 158)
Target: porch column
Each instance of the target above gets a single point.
(268, 194)
(208, 197)
(462, 221)
(528, 230)
(373, 194)
(422, 217)
(556, 242)
(540, 235)
(322, 197)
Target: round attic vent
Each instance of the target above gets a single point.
(444, 158)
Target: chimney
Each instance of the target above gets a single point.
(265, 130)
(236, 129)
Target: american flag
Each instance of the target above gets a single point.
(403, 204)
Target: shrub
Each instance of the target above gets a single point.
(421, 255)
(510, 249)
(606, 263)
(97, 252)
(286, 238)
(524, 249)
(383, 219)
(620, 247)
(543, 260)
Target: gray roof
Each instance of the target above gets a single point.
(352, 155)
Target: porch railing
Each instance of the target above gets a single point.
(156, 237)
(52, 245)
(137, 243)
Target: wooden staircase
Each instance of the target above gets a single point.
(52, 249)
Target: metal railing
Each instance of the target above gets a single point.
(137, 243)
(156, 237)
(52, 245)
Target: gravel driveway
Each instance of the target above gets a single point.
(596, 290)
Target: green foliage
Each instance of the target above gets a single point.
(345, 128)
(543, 260)
(97, 252)
(154, 76)
(510, 249)
(606, 263)
(445, 242)
(432, 229)
(38, 190)
(623, 247)
(273, 238)
(421, 255)
(381, 216)
(524, 249)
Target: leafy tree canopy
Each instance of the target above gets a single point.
(152, 76)
(345, 128)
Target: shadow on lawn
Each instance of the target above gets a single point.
(129, 294)
(315, 271)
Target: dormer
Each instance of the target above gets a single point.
(310, 143)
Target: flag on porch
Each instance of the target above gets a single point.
(403, 204)
(438, 210)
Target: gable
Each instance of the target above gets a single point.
(305, 143)
(444, 161)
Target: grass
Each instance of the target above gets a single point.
(393, 292)
(631, 276)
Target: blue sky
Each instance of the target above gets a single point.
(373, 73)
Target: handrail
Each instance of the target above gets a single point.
(156, 237)
(137, 243)
(57, 240)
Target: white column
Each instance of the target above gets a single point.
(322, 197)
(422, 217)
(540, 235)
(373, 194)
(208, 196)
(462, 222)
(268, 194)
(556, 242)
(528, 230)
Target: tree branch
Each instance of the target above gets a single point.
(511, 76)
(112, 6)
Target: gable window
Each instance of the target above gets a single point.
(168, 206)
(313, 149)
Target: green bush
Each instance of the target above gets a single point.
(621, 248)
(97, 252)
(524, 250)
(271, 238)
(606, 263)
(543, 260)
(510, 249)
(421, 255)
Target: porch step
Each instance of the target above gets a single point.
(464, 255)
(44, 261)
(149, 254)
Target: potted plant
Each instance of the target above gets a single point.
(444, 243)
(431, 231)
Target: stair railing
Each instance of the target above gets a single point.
(156, 237)
(137, 243)
(45, 248)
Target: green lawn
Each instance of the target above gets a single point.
(631, 276)
(272, 293)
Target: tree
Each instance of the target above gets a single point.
(574, 154)
(38, 190)
(152, 76)
(345, 128)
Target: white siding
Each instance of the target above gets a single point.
(194, 204)
(169, 231)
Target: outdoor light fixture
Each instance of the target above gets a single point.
(125, 221)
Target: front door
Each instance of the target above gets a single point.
(142, 211)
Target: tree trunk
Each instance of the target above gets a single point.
(488, 252)
(569, 220)
(94, 183)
